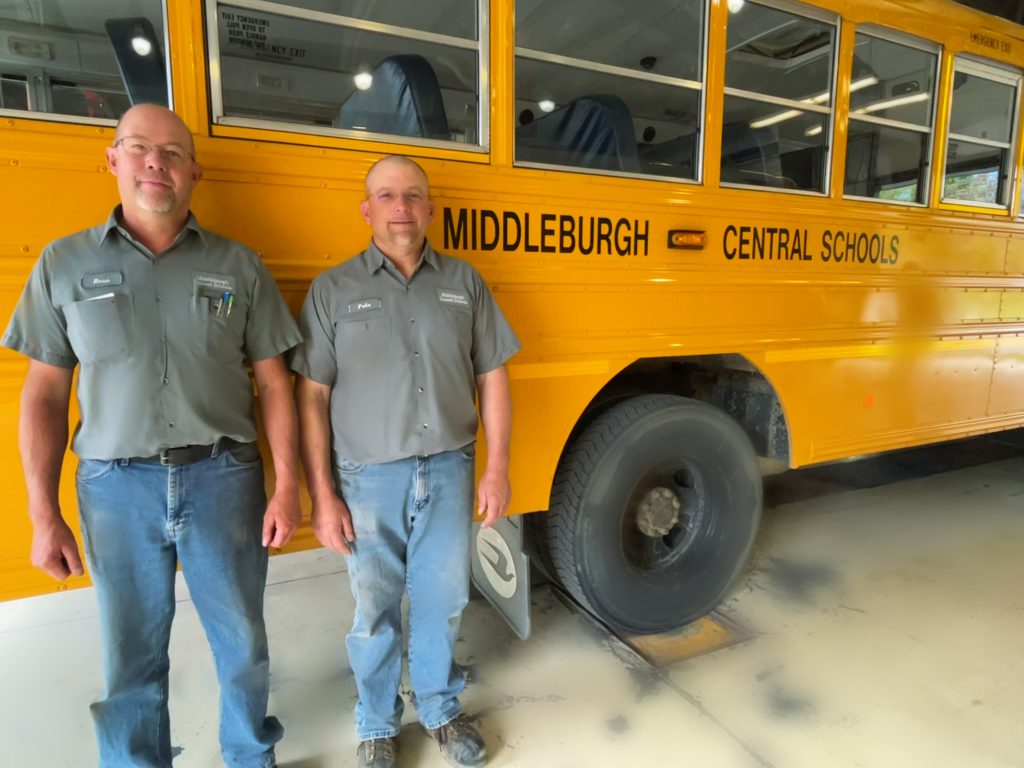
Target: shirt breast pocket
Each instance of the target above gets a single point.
(221, 324)
(101, 330)
(456, 324)
(360, 335)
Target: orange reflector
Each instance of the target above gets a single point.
(686, 238)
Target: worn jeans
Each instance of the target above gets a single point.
(412, 521)
(139, 519)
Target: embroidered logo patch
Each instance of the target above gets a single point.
(453, 298)
(203, 282)
(102, 280)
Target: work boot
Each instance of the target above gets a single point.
(377, 753)
(461, 744)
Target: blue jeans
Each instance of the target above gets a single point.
(412, 521)
(138, 520)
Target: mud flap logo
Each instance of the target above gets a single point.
(496, 562)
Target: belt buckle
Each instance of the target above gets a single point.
(165, 457)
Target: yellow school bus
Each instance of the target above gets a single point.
(728, 234)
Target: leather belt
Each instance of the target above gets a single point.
(190, 454)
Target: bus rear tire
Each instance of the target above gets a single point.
(653, 513)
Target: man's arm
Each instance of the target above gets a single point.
(43, 439)
(283, 512)
(332, 522)
(494, 492)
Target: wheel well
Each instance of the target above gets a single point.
(729, 382)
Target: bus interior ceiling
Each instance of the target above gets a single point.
(596, 121)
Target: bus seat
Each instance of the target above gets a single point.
(404, 100)
(674, 157)
(589, 132)
(750, 156)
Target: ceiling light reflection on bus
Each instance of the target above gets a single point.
(778, 117)
(546, 105)
(789, 114)
(142, 45)
(735, 6)
(363, 80)
(899, 101)
(856, 85)
(863, 82)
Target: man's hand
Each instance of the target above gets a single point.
(494, 494)
(54, 549)
(281, 519)
(332, 524)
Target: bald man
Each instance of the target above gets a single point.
(399, 341)
(163, 319)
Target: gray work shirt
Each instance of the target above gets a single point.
(161, 367)
(401, 356)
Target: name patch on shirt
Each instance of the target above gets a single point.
(211, 282)
(453, 298)
(102, 280)
(364, 305)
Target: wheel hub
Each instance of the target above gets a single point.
(658, 512)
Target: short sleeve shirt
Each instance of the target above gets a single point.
(401, 356)
(162, 341)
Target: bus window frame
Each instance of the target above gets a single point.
(701, 86)
(927, 46)
(816, 13)
(53, 117)
(996, 71)
(273, 130)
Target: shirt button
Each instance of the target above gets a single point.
(415, 354)
(424, 425)
(165, 381)
(418, 389)
(412, 319)
(170, 424)
(159, 298)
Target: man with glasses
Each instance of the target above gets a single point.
(398, 343)
(161, 317)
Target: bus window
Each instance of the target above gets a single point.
(351, 68)
(618, 89)
(13, 92)
(981, 130)
(779, 75)
(81, 59)
(892, 108)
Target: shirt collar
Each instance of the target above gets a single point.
(111, 224)
(373, 257)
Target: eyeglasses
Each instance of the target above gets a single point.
(172, 154)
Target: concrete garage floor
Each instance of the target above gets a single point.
(881, 623)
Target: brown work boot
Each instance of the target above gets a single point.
(461, 744)
(377, 753)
